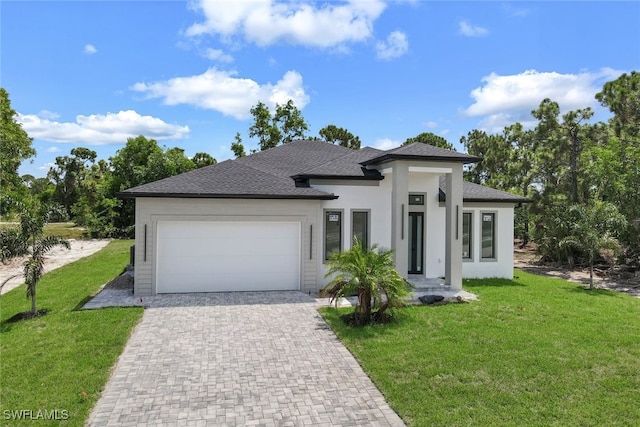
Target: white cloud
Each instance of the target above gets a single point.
(217, 55)
(47, 166)
(265, 22)
(53, 149)
(503, 100)
(395, 46)
(469, 30)
(46, 114)
(444, 132)
(431, 124)
(90, 49)
(222, 91)
(385, 144)
(506, 99)
(515, 11)
(98, 129)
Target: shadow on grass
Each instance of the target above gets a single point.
(491, 283)
(333, 316)
(6, 325)
(82, 302)
(596, 292)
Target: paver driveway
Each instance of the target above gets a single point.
(250, 358)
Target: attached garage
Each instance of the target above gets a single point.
(220, 256)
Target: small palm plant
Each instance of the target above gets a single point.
(593, 229)
(370, 274)
(33, 218)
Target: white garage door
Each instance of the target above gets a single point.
(216, 256)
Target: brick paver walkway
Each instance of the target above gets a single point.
(246, 358)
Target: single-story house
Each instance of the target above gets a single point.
(271, 220)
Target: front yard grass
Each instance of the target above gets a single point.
(62, 360)
(66, 230)
(532, 351)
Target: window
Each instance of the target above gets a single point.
(332, 233)
(488, 235)
(466, 235)
(360, 227)
(416, 199)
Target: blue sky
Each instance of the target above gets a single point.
(92, 74)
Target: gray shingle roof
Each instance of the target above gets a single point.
(472, 192)
(347, 166)
(228, 179)
(421, 151)
(272, 174)
(294, 158)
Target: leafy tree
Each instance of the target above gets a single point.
(96, 208)
(130, 164)
(139, 162)
(622, 96)
(344, 138)
(168, 162)
(15, 146)
(286, 125)
(33, 217)
(290, 122)
(264, 127)
(237, 147)
(496, 152)
(431, 139)
(521, 175)
(577, 133)
(370, 274)
(68, 174)
(201, 160)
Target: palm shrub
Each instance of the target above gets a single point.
(370, 274)
(12, 244)
(592, 229)
(33, 217)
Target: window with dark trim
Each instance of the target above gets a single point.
(332, 233)
(416, 199)
(467, 232)
(360, 227)
(488, 235)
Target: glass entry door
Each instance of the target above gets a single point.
(416, 242)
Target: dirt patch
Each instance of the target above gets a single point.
(527, 260)
(59, 256)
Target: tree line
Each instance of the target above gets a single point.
(583, 178)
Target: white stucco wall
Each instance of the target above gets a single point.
(502, 265)
(151, 210)
(374, 196)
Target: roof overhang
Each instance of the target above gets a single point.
(442, 197)
(125, 195)
(386, 158)
(376, 177)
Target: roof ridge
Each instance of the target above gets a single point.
(352, 153)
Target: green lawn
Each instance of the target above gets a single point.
(533, 351)
(66, 230)
(61, 361)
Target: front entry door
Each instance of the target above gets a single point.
(416, 242)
